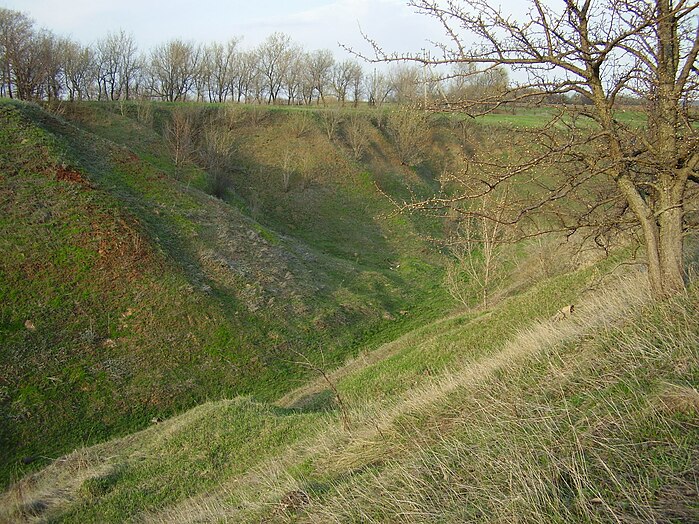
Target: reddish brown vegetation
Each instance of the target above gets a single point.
(70, 175)
(120, 245)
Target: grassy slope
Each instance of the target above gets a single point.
(491, 416)
(145, 295)
(593, 419)
(595, 424)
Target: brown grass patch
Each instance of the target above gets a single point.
(65, 174)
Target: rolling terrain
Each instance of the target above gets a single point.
(130, 292)
(250, 334)
(495, 416)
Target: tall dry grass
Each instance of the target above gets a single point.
(595, 420)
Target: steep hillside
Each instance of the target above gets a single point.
(129, 292)
(499, 416)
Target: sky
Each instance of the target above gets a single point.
(316, 24)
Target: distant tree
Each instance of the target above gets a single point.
(307, 85)
(378, 88)
(274, 57)
(78, 67)
(319, 65)
(342, 79)
(172, 70)
(219, 69)
(119, 64)
(471, 86)
(200, 79)
(28, 57)
(16, 35)
(293, 74)
(245, 76)
(347, 79)
(36, 64)
(49, 50)
(406, 83)
(356, 83)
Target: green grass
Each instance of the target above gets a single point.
(227, 438)
(146, 296)
(597, 428)
(536, 117)
(452, 344)
(589, 420)
(149, 296)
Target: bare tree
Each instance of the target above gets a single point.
(245, 76)
(37, 64)
(356, 83)
(410, 131)
(173, 67)
(469, 84)
(144, 111)
(475, 245)
(28, 57)
(406, 83)
(273, 60)
(319, 66)
(320, 369)
(307, 84)
(301, 124)
(181, 135)
(357, 133)
(218, 141)
(218, 68)
(330, 120)
(16, 34)
(78, 64)
(342, 75)
(309, 168)
(622, 175)
(287, 166)
(293, 74)
(49, 50)
(216, 146)
(119, 63)
(378, 88)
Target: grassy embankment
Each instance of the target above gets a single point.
(491, 416)
(128, 292)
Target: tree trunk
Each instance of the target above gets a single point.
(670, 223)
(662, 235)
(9, 81)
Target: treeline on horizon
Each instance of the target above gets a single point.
(38, 65)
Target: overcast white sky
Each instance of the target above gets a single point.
(315, 24)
